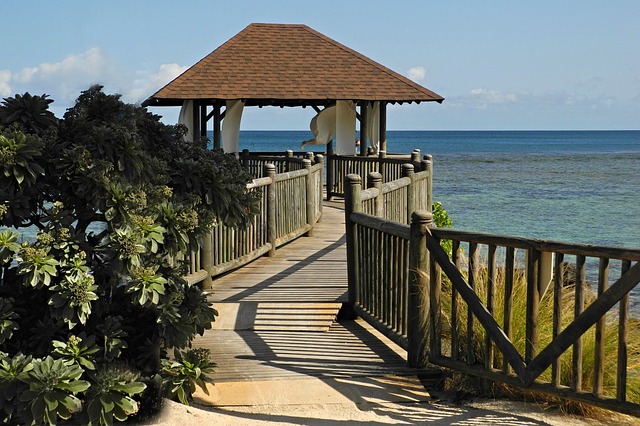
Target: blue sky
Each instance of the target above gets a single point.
(499, 64)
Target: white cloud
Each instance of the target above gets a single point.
(147, 83)
(416, 73)
(5, 79)
(481, 98)
(63, 81)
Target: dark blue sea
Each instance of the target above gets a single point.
(575, 186)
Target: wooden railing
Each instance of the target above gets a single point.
(511, 310)
(389, 168)
(254, 162)
(291, 205)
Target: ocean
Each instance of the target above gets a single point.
(574, 186)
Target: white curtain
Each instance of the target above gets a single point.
(323, 127)
(345, 128)
(186, 118)
(231, 126)
(373, 125)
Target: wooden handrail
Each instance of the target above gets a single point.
(278, 222)
(397, 289)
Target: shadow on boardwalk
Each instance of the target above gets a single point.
(282, 357)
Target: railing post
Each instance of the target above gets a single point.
(330, 165)
(206, 261)
(408, 171)
(374, 180)
(320, 160)
(415, 157)
(288, 155)
(533, 302)
(428, 162)
(352, 203)
(382, 165)
(244, 158)
(419, 303)
(270, 172)
(310, 196)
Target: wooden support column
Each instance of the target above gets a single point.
(383, 127)
(408, 171)
(352, 203)
(428, 165)
(196, 119)
(363, 128)
(374, 180)
(330, 165)
(320, 160)
(217, 119)
(270, 172)
(310, 198)
(207, 259)
(419, 303)
(203, 120)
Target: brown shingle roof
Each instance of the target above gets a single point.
(285, 64)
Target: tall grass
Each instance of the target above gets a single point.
(545, 336)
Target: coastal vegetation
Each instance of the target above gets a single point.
(95, 209)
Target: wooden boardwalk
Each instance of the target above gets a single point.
(278, 316)
(309, 269)
(283, 357)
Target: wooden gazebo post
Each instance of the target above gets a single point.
(383, 128)
(363, 128)
(217, 118)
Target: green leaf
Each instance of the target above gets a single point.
(86, 363)
(51, 401)
(130, 388)
(107, 402)
(75, 386)
(127, 404)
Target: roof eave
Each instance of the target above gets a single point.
(158, 102)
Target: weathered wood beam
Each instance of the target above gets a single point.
(383, 127)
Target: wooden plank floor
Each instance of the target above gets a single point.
(282, 357)
(309, 269)
(348, 349)
(278, 316)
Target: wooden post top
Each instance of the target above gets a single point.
(422, 217)
(353, 179)
(374, 179)
(407, 168)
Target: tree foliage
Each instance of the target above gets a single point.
(109, 196)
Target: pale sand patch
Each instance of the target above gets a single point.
(480, 412)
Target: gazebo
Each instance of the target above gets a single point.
(290, 65)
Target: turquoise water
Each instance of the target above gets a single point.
(575, 186)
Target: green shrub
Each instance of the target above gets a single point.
(107, 197)
(442, 220)
(185, 371)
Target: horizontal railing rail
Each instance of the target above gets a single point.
(389, 167)
(288, 161)
(548, 316)
(290, 206)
